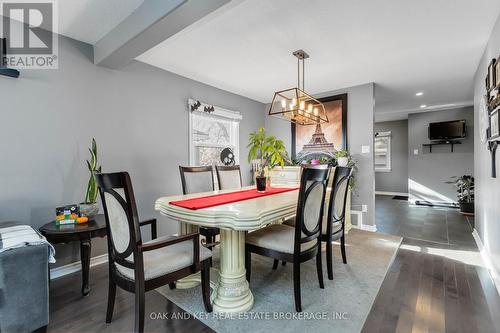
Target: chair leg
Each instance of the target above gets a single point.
(329, 259)
(296, 286)
(342, 249)
(171, 285)
(205, 285)
(209, 240)
(248, 264)
(139, 307)
(111, 300)
(275, 263)
(319, 268)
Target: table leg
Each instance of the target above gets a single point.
(233, 293)
(85, 248)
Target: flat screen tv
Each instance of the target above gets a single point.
(447, 130)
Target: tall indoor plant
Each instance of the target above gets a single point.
(270, 151)
(465, 192)
(89, 207)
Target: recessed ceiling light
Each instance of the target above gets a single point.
(419, 93)
(423, 106)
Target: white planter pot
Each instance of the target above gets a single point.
(342, 161)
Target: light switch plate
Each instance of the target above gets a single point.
(415, 151)
(365, 149)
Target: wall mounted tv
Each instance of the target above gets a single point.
(447, 130)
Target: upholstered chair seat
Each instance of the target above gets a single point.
(165, 260)
(277, 237)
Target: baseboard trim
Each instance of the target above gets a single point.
(372, 228)
(391, 193)
(76, 266)
(360, 224)
(495, 276)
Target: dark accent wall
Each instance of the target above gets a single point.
(397, 179)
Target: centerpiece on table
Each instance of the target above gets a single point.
(269, 151)
(90, 207)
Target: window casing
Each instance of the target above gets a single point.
(210, 132)
(382, 151)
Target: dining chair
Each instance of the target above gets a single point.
(198, 180)
(138, 266)
(300, 243)
(334, 224)
(333, 229)
(229, 176)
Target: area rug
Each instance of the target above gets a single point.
(341, 307)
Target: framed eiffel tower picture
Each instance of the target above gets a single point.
(322, 140)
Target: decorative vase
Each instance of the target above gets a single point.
(261, 183)
(467, 208)
(89, 209)
(342, 161)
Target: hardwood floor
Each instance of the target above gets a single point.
(71, 312)
(433, 285)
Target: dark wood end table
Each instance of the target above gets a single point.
(83, 233)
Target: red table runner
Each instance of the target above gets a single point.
(225, 198)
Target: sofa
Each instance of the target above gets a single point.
(24, 289)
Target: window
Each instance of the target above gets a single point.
(213, 135)
(383, 151)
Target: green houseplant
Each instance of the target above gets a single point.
(89, 207)
(270, 151)
(465, 192)
(342, 156)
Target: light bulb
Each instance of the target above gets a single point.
(315, 111)
(302, 105)
(283, 104)
(309, 108)
(294, 102)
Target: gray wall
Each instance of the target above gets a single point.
(487, 188)
(428, 172)
(137, 114)
(360, 103)
(397, 179)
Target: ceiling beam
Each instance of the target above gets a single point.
(150, 24)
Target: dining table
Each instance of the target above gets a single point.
(230, 290)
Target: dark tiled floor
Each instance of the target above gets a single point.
(434, 224)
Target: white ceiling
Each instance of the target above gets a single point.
(90, 20)
(403, 46)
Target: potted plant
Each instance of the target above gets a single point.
(342, 156)
(89, 207)
(270, 151)
(465, 190)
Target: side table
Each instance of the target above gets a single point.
(83, 233)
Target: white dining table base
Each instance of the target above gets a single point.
(233, 292)
(230, 290)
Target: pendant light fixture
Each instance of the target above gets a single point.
(294, 104)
